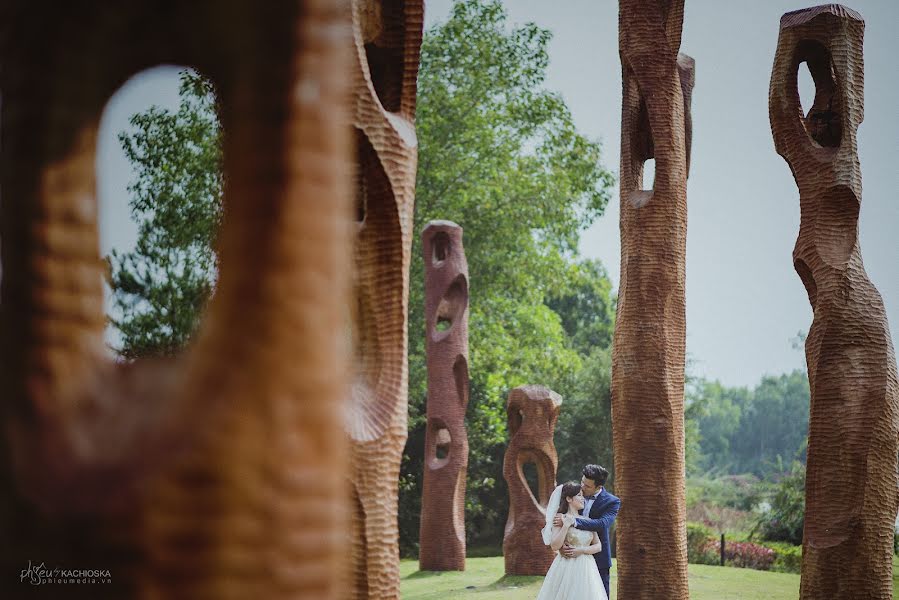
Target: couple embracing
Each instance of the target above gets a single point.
(578, 518)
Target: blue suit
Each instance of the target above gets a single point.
(602, 515)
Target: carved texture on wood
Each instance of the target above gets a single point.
(387, 42)
(442, 534)
(649, 344)
(208, 475)
(533, 411)
(851, 481)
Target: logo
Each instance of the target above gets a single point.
(41, 574)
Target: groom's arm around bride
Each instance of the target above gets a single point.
(599, 513)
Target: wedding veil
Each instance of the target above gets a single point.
(551, 507)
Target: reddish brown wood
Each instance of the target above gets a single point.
(649, 344)
(533, 412)
(442, 535)
(387, 40)
(851, 482)
(220, 474)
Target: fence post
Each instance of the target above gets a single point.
(722, 549)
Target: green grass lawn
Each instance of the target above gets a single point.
(483, 580)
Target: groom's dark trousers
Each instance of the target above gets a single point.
(602, 515)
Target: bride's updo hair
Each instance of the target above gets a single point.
(569, 490)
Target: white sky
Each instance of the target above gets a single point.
(744, 301)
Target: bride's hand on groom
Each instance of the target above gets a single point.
(560, 520)
(570, 551)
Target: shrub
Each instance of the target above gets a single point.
(788, 558)
(785, 520)
(698, 545)
(741, 492)
(745, 555)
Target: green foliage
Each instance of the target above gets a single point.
(737, 430)
(500, 156)
(784, 521)
(584, 430)
(161, 286)
(742, 492)
(788, 557)
(699, 549)
(774, 428)
(586, 307)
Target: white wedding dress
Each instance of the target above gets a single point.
(573, 578)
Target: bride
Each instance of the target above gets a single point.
(570, 578)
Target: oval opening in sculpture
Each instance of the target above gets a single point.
(648, 175)
(184, 220)
(441, 245)
(451, 308)
(823, 122)
(531, 478)
(443, 442)
(382, 25)
(460, 374)
(378, 324)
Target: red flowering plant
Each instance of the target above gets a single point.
(745, 555)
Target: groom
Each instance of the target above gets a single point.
(600, 510)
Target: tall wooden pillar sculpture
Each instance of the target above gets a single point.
(533, 412)
(210, 475)
(387, 41)
(649, 345)
(851, 481)
(442, 535)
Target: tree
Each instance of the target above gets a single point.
(161, 286)
(774, 425)
(586, 306)
(718, 410)
(500, 156)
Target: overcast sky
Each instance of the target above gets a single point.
(744, 301)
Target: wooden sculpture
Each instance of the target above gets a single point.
(387, 41)
(533, 411)
(649, 345)
(442, 537)
(851, 480)
(219, 474)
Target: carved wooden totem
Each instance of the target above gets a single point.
(211, 475)
(387, 41)
(442, 535)
(649, 345)
(533, 412)
(851, 482)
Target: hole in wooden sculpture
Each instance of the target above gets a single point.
(642, 147)
(648, 176)
(382, 25)
(532, 478)
(460, 375)
(806, 86)
(444, 439)
(378, 284)
(451, 307)
(516, 419)
(441, 244)
(823, 120)
(159, 183)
